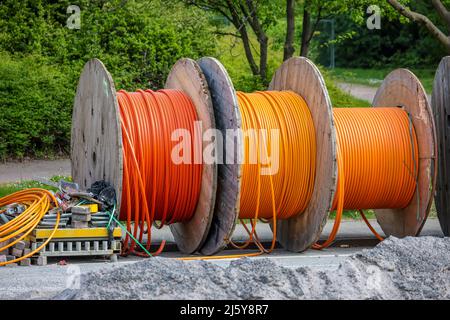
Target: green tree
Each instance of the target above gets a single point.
(35, 107)
(312, 13)
(139, 41)
(438, 24)
(247, 16)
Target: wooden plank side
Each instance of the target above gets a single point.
(228, 119)
(187, 76)
(96, 141)
(440, 103)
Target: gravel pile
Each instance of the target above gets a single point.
(410, 268)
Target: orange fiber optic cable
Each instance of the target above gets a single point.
(287, 191)
(155, 189)
(377, 154)
(377, 162)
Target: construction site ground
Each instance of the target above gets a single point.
(43, 282)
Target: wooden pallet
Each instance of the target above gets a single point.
(77, 242)
(79, 247)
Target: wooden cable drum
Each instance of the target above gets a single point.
(401, 88)
(441, 109)
(301, 231)
(97, 145)
(227, 117)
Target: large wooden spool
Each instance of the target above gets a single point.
(400, 89)
(301, 76)
(304, 78)
(440, 102)
(403, 89)
(228, 117)
(96, 143)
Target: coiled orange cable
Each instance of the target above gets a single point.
(287, 188)
(155, 189)
(292, 184)
(287, 191)
(377, 162)
(377, 154)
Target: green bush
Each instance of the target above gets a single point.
(139, 41)
(35, 107)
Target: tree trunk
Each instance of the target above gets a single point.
(248, 51)
(290, 30)
(241, 27)
(263, 40)
(306, 33)
(263, 45)
(442, 12)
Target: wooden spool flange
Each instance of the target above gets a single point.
(301, 76)
(440, 102)
(402, 88)
(96, 143)
(187, 76)
(228, 117)
(304, 78)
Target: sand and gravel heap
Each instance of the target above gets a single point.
(410, 268)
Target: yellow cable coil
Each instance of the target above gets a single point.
(38, 202)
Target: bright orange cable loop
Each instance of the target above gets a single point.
(287, 192)
(377, 162)
(293, 184)
(155, 189)
(377, 154)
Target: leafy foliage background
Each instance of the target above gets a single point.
(41, 60)
(139, 40)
